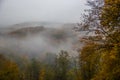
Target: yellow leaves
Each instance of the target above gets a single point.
(111, 2)
(89, 59)
(8, 70)
(107, 58)
(112, 57)
(110, 64)
(42, 74)
(110, 13)
(106, 61)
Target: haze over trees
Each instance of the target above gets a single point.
(98, 59)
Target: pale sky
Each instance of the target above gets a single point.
(18, 11)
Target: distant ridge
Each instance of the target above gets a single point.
(27, 30)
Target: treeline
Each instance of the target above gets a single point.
(99, 59)
(57, 67)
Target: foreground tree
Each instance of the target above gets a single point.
(89, 60)
(104, 20)
(110, 19)
(8, 69)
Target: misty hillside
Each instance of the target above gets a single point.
(59, 39)
(38, 39)
(25, 31)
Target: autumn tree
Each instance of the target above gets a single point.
(8, 69)
(110, 20)
(104, 20)
(89, 60)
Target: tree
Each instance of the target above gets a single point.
(89, 60)
(110, 19)
(49, 72)
(110, 65)
(42, 74)
(91, 19)
(104, 20)
(62, 66)
(8, 69)
(33, 70)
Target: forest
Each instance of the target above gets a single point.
(98, 59)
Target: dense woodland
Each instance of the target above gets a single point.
(99, 59)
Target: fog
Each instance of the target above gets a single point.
(58, 16)
(49, 40)
(19, 11)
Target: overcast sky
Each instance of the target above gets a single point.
(18, 11)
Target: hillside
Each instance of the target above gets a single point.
(26, 31)
(40, 39)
